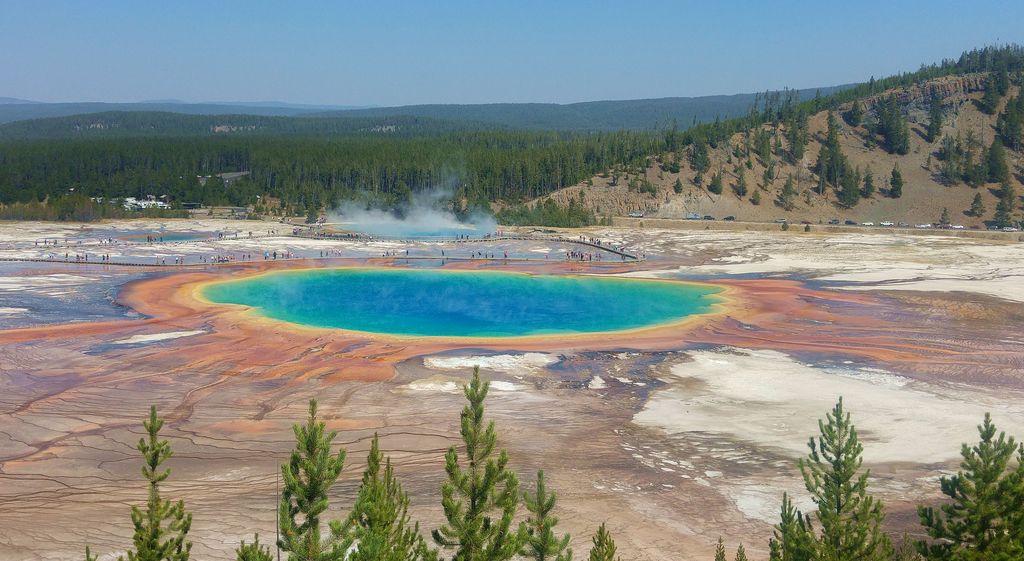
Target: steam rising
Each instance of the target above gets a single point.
(426, 216)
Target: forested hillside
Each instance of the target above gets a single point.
(942, 145)
(310, 173)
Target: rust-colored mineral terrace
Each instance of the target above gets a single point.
(673, 435)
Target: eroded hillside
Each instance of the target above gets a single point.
(659, 191)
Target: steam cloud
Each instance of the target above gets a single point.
(424, 217)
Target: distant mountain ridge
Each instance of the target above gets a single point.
(16, 101)
(636, 114)
(13, 111)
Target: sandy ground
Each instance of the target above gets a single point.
(673, 438)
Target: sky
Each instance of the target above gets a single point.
(389, 52)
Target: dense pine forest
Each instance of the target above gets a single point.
(490, 516)
(303, 165)
(310, 173)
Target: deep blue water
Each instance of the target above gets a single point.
(471, 304)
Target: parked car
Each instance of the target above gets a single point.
(850, 223)
(708, 217)
(729, 218)
(903, 225)
(692, 216)
(886, 223)
(923, 226)
(834, 221)
(1010, 229)
(781, 220)
(636, 214)
(957, 226)
(805, 221)
(867, 223)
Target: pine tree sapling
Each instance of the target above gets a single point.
(253, 551)
(604, 546)
(850, 518)
(792, 539)
(380, 523)
(982, 521)
(480, 498)
(308, 477)
(741, 553)
(542, 544)
(153, 540)
(720, 550)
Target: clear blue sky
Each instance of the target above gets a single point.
(431, 51)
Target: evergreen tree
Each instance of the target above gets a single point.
(699, 159)
(542, 544)
(1002, 80)
(990, 99)
(756, 198)
(849, 196)
(253, 551)
(850, 518)
(677, 187)
(720, 550)
(892, 126)
(1010, 124)
(906, 551)
(792, 539)
(484, 487)
(1004, 209)
(741, 185)
(982, 521)
(769, 175)
(896, 183)
(797, 135)
(716, 183)
(788, 194)
(741, 553)
(868, 188)
(153, 540)
(308, 477)
(998, 170)
(855, 115)
(604, 546)
(934, 119)
(380, 522)
(944, 219)
(977, 206)
(831, 166)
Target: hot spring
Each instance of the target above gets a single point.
(463, 303)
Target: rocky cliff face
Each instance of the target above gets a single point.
(919, 94)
